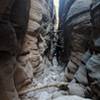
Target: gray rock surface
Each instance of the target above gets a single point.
(70, 98)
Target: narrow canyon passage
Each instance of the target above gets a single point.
(55, 68)
(52, 74)
(50, 50)
(63, 53)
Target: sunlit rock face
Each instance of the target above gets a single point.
(37, 37)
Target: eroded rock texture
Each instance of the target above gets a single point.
(78, 28)
(37, 39)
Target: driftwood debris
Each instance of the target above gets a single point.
(61, 86)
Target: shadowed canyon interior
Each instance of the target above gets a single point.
(49, 49)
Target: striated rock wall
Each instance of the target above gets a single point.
(79, 26)
(37, 39)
